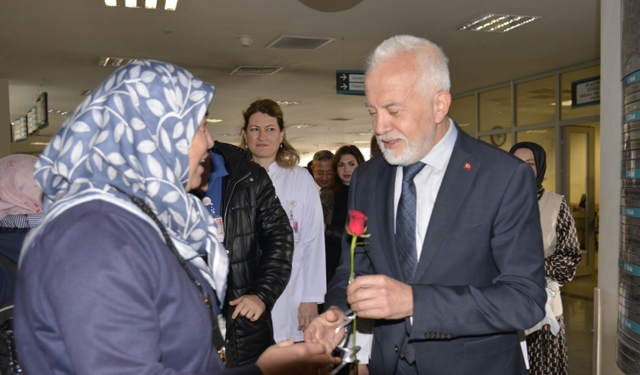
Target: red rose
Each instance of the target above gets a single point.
(356, 223)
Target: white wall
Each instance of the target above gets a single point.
(610, 155)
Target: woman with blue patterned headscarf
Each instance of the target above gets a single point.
(98, 289)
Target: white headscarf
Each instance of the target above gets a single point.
(134, 133)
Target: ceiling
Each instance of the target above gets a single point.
(55, 46)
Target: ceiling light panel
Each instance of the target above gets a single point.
(497, 23)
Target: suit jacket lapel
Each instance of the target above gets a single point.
(457, 181)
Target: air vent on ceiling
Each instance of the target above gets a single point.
(256, 70)
(298, 42)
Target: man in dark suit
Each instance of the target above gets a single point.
(454, 265)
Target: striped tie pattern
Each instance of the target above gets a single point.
(406, 222)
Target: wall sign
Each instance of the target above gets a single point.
(350, 82)
(585, 92)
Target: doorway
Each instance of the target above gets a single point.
(578, 186)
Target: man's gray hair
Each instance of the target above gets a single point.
(322, 155)
(431, 60)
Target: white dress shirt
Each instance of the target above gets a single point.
(427, 183)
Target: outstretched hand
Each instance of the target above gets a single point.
(322, 329)
(287, 358)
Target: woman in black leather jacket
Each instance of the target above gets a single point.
(259, 240)
(334, 203)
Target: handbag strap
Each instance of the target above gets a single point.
(218, 341)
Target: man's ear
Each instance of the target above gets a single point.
(441, 104)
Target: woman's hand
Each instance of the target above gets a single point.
(249, 306)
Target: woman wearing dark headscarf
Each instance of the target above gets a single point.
(114, 280)
(546, 342)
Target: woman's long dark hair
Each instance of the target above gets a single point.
(336, 183)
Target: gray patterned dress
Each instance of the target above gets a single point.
(548, 353)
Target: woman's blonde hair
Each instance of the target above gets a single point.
(287, 156)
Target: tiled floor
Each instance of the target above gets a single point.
(577, 299)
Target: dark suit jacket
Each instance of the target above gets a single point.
(480, 276)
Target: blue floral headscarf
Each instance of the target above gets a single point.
(133, 133)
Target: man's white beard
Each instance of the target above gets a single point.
(408, 156)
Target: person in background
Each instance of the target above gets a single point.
(334, 203)
(256, 232)
(453, 267)
(546, 341)
(113, 281)
(20, 210)
(322, 168)
(263, 135)
(309, 167)
(375, 148)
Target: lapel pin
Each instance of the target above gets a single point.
(467, 166)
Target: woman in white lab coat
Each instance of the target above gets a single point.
(263, 136)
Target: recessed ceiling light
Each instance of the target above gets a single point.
(40, 143)
(286, 103)
(299, 139)
(213, 120)
(362, 133)
(115, 61)
(58, 112)
(361, 141)
(301, 126)
(497, 23)
(148, 4)
(170, 5)
(564, 103)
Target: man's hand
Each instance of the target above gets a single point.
(380, 297)
(287, 358)
(249, 306)
(307, 311)
(322, 329)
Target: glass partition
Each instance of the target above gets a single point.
(536, 101)
(495, 109)
(463, 112)
(547, 139)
